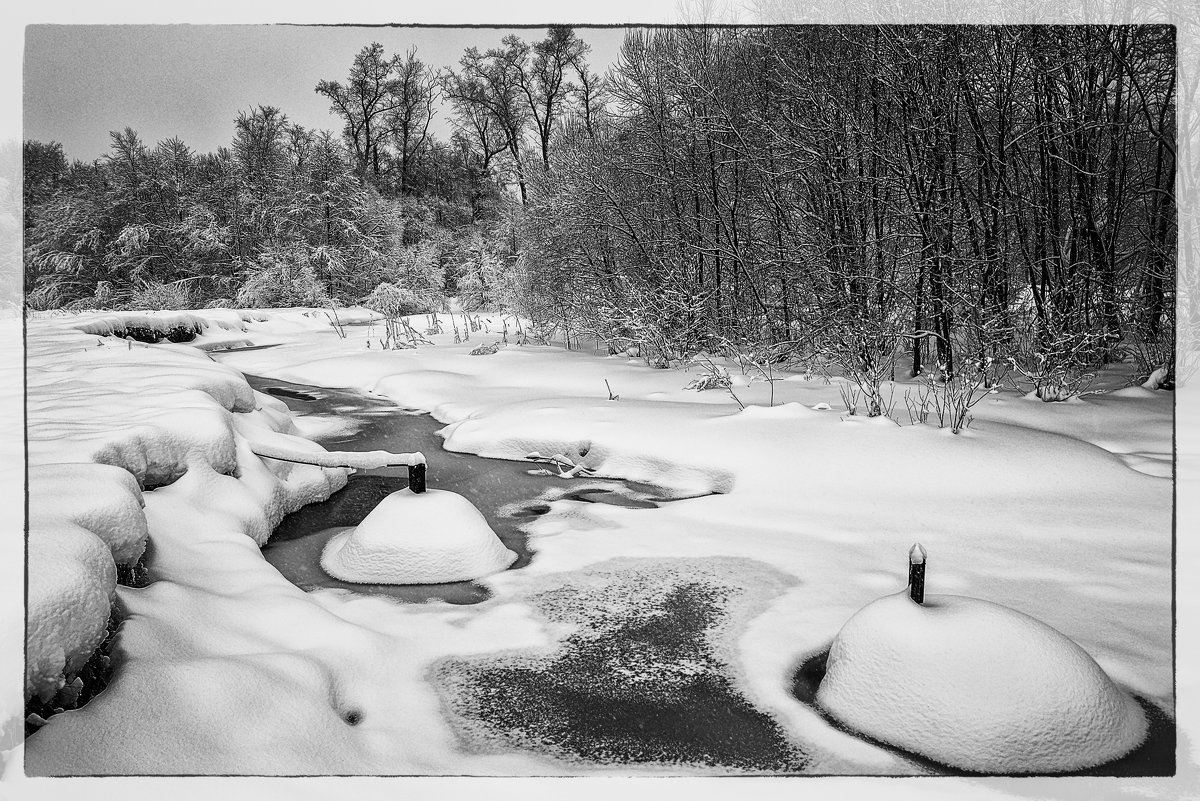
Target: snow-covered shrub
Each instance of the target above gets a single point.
(395, 303)
(948, 402)
(105, 296)
(418, 269)
(759, 363)
(866, 357)
(281, 279)
(1050, 382)
(55, 293)
(712, 376)
(480, 276)
(1152, 360)
(156, 295)
(1056, 365)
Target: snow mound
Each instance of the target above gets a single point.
(72, 584)
(976, 686)
(409, 538)
(101, 498)
(119, 323)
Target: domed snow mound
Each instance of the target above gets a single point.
(977, 686)
(431, 537)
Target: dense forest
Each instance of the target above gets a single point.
(872, 199)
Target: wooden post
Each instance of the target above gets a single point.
(916, 572)
(416, 477)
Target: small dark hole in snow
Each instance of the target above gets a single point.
(353, 717)
(153, 482)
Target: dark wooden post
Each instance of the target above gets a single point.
(916, 572)
(416, 477)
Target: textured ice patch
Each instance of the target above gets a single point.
(977, 686)
(427, 538)
(643, 676)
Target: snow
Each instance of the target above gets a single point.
(71, 584)
(350, 315)
(417, 538)
(116, 323)
(977, 686)
(1054, 509)
(107, 419)
(1156, 379)
(102, 499)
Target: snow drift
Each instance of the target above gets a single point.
(417, 538)
(107, 419)
(977, 686)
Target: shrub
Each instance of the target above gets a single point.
(395, 303)
(1057, 365)
(1149, 357)
(155, 295)
(281, 279)
(949, 402)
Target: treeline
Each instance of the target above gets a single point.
(878, 198)
(292, 216)
(279, 218)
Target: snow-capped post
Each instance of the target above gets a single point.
(416, 477)
(916, 572)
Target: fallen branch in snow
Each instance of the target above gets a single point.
(363, 460)
(560, 461)
(714, 377)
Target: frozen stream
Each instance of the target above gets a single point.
(503, 491)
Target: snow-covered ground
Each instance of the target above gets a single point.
(1060, 511)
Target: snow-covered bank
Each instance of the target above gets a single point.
(270, 679)
(222, 665)
(108, 419)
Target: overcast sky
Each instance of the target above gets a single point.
(190, 81)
